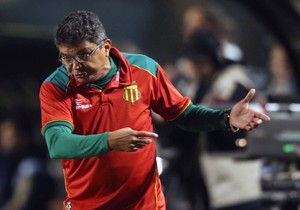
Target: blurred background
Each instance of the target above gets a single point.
(214, 51)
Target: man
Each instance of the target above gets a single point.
(96, 117)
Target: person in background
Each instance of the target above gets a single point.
(206, 76)
(207, 52)
(282, 82)
(227, 82)
(196, 69)
(25, 183)
(213, 18)
(96, 117)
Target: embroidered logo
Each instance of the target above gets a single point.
(131, 93)
(79, 104)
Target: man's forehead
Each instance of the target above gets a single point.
(75, 48)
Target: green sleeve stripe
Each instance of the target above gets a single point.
(142, 62)
(62, 144)
(57, 123)
(60, 78)
(196, 118)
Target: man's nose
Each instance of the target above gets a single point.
(76, 64)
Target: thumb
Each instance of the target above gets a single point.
(249, 96)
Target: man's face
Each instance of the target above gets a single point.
(87, 61)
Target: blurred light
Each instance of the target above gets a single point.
(288, 148)
(294, 107)
(257, 107)
(241, 142)
(232, 52)
(22, 30)
(272, 107)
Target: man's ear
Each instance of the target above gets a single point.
(107, 44)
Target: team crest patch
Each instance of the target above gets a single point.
(131, 93)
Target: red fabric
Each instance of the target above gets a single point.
(115, 180)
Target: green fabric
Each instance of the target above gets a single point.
(59, 77)
(62, 144)
(57, 123)
(143, 62)
(101, 83)
(197, 118)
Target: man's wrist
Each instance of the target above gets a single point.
(227, 122)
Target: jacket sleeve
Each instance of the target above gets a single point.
(62, 144)
(196, 118)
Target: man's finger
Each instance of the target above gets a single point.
(140, 145)
(262, 116)
(257, 120)
(141, 141)
(133, 149)
(249, 96)
(145, 134)
(248, 128)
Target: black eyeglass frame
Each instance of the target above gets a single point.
(81, 58)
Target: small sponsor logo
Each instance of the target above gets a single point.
(80, 105)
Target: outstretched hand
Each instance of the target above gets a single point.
(241, 116)
(129, 140)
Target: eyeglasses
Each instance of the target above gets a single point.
(80, 58)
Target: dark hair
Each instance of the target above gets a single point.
(78, 27)
(203, 44)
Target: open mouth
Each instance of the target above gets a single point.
(80, 75)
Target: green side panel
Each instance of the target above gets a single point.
(59, 77)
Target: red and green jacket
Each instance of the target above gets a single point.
(76, 118)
